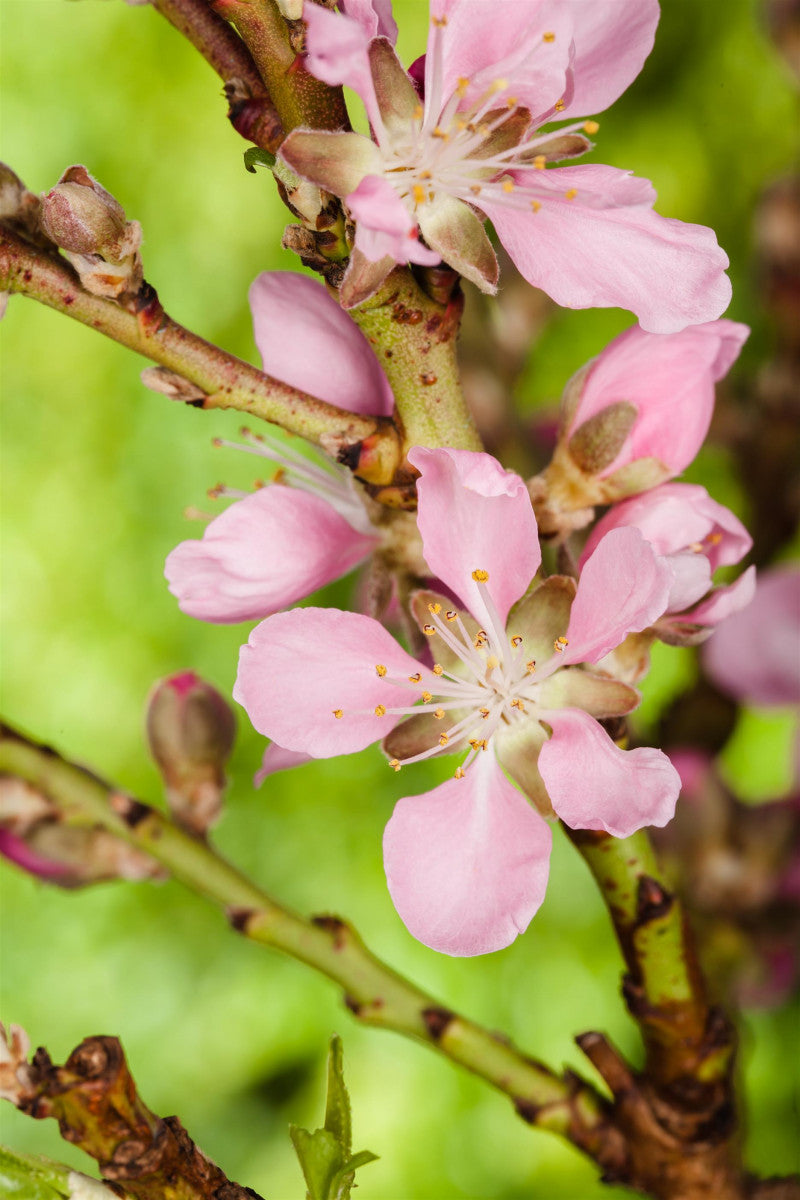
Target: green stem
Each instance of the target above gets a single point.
(414, 339)
(299, 98)
(369, 444)
(375, 993)
(685, 1038)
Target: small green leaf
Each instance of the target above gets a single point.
(256, 157)
(337, 1112)
(343, 1179)
(321, 1160)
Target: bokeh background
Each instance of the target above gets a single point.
(97, 475)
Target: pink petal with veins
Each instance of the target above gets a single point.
(306, 340)
(467, 863)
(624, 587)
(592, 784)
(263, 553)
(475, 515)
(300, 667)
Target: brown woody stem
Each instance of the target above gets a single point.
(299, 98)
(251, 111)
(370, 445)
(376, 994)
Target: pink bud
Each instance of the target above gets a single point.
(191, 730)
(81, 216)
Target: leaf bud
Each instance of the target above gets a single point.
(191, 731)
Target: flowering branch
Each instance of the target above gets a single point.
(94, 1099)
(251, 111)
(374, 993)
(370, 445)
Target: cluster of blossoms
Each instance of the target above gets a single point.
(519, 669)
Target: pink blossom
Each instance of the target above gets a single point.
(473, 148)
(273, 547)
(695, 535)
(755, 655)
(509, 688)
(647, 398)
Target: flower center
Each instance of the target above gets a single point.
(488, 682)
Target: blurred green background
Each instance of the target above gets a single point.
(97, 474)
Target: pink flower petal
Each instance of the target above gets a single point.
(754, 656)
(467, 863)
(300, 667)
(605, 247)
(263, 553)
(473, 515)
(593, 784)
(305, 339)
(669, 378)
(374, 17)
(611, 44)
(337, 51)
(482, 43)
(278, 758)
(383, 225)
(723, 602)
(624, 587)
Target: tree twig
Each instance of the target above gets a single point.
(370, 445)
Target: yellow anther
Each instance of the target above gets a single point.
(484, 713)
(419, 112)
(425, 175)
(484, 130)
(441, 133)
(429, 630)
(337, 712)
(695, 547)
(394, 763)
(591, 126)
(426, 697)
(571, 194)
(415, 678)
(380, 669)
(714, 539)
(438, 713)
(530, 667)
(517, 703)
(440, 22)
(463, 84)
(461, 124)
(511, 102)
(540, 162)
(459, 773)
(451, 615)
(380, 710)
(480, 576)
(535, 206)
(418, 192)
(479, 641)
(435, 609)
(476, 189)
(508, 185)
(438, 669)
(560, 644)
(443, 739)
(478, 743)
(548, 37)
(516, 641)
(559, 106)
(499, 85)
(492, 662)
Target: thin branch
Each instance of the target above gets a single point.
(374, 993)
(251, 111)
(370, 445)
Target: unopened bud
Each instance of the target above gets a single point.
(161, 379)
(191, 730)
(89, 225)
(17, 1082)
(34, 837)
(81, 216)
(19, 208)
